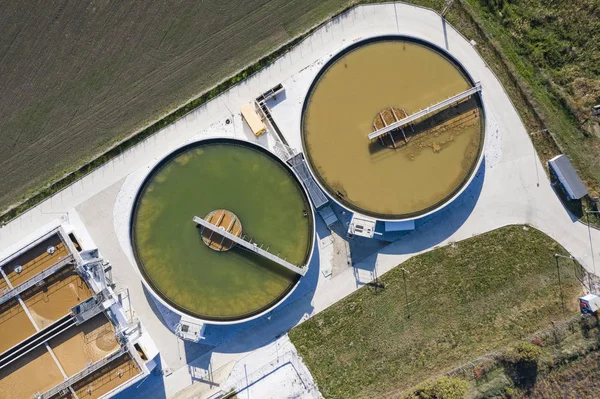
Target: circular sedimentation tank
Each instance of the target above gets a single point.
(230, 182)
(409, 173)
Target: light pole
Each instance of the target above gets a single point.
(404, 272)
(587, 217)
(562, 297)
(590, 285)
(447, 7)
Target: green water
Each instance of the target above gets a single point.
(223, 175)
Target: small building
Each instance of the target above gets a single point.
(561, 167)
(253, 119)
(361, 225)
(596, 110)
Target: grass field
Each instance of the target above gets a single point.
(579, 379)
(554, 47)
(76, 77)
(486, 293)
(551, 51)
(566, 368)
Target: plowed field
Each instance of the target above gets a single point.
(77, 76)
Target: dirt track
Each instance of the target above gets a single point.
(78, 76)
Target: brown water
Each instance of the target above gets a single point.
(54, 300)
(108, 378)
(15, 326)
(35, 260)
(34, 372)
(80, 345)
(372, 179)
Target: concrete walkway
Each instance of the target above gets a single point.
(511, 188)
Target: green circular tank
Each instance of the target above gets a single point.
(221, 174)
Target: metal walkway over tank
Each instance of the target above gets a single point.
(298, 163)
(433, 108)
(37, 279)
(82, 374)
(78, 314)
(34, 341)
(249, 246)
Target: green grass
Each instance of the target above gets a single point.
(551, 50)
(568, 366)
(486, 293)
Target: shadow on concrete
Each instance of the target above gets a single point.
(574, 208)
(429, 231)
(273, 101)
(154, 305)
(444, 28)
(201, 371)
(152, 386)
(434, 229)
(248, 336)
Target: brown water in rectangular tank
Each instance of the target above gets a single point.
(15, 326)
(54, 299)
(34, 372)
(35, 260)
(82, 345)
(108, 378)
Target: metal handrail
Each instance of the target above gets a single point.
(419, 114)
(82, 374)
(251, 247)
(36, 279)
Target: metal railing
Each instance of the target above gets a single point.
(36, 279)
(82, 374)
(249, 246)
(433, 108)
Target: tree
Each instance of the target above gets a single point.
(525, 352)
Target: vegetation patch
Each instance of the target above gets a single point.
(555, 362)
(579, 378)
(442, 388)
(460, 302)
(547, 50)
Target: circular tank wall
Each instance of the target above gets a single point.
(409, 173)
(186, 274)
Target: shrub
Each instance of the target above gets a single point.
(442, 388)
(525, 352)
